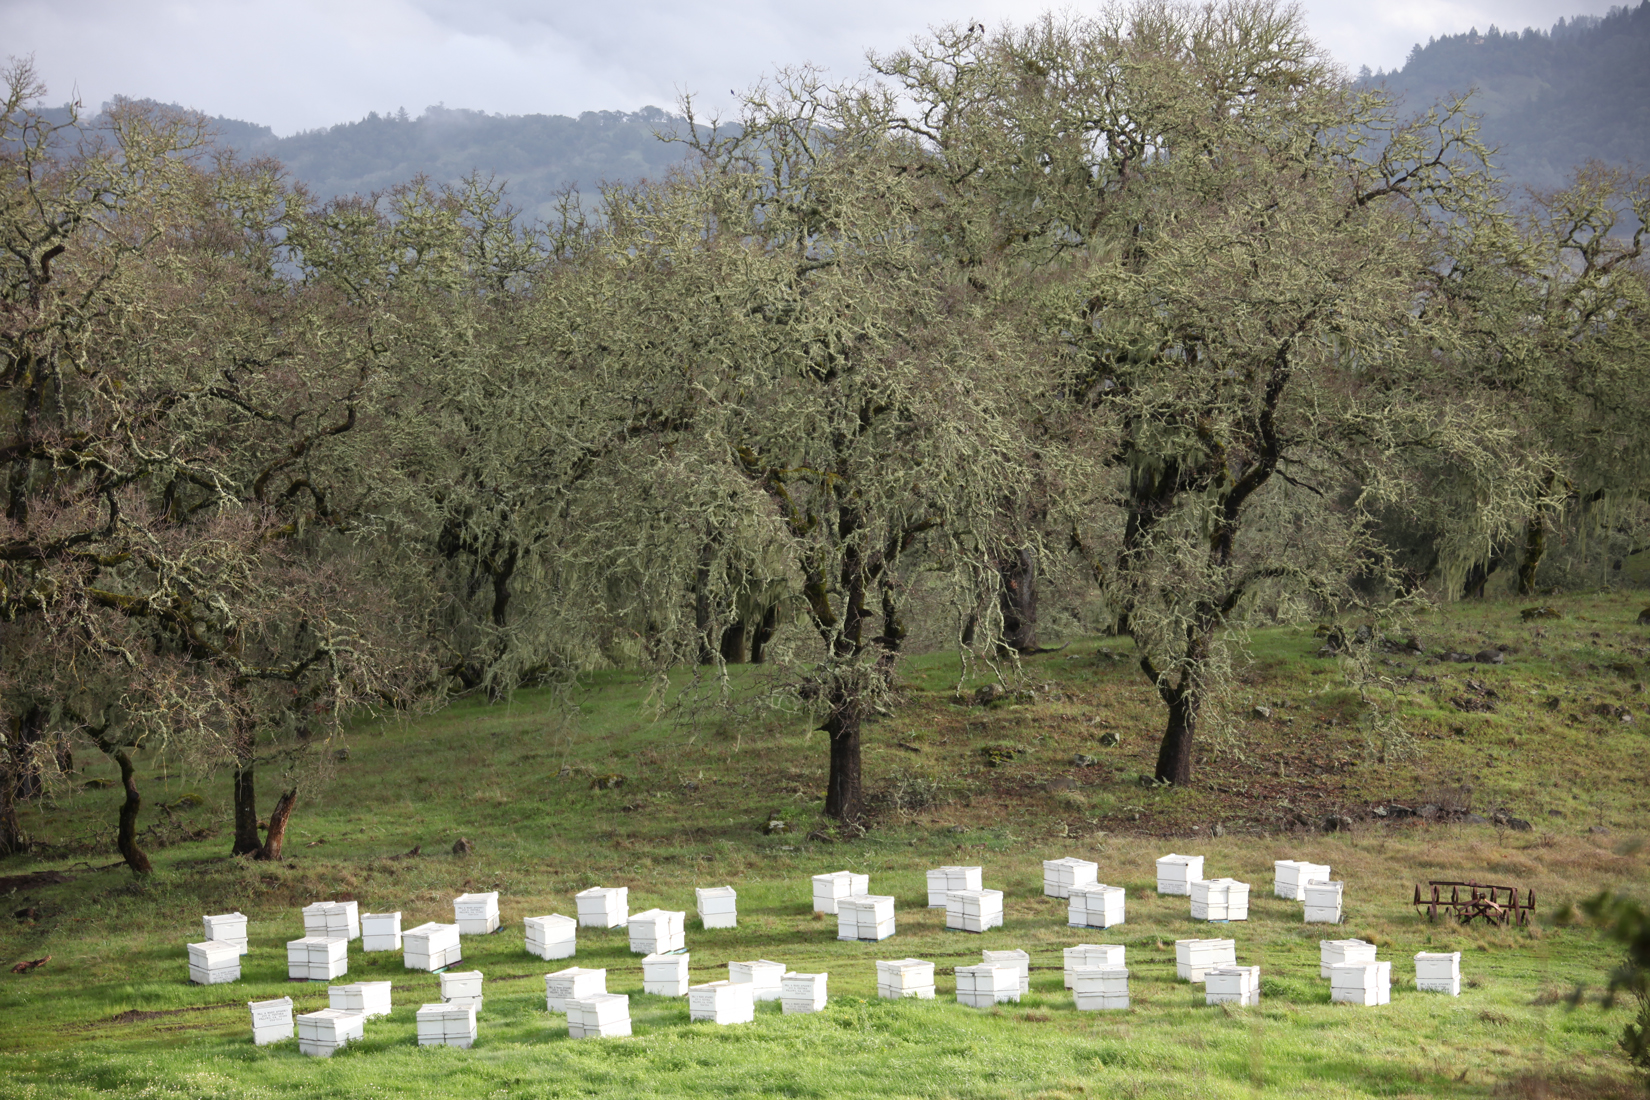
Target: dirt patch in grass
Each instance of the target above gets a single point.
(31, 880)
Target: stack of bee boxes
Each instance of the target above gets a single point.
(214, 962)
(368, 998)
(1323, 902)
(476, 914)
(985, 985)
(1060, 875)
(898, 978)
(802, 992)
(1099, 988)
(764, 976)
(1095, 906)
(1238, 985)
(603, 906)
(1089, 956)
(1017, 961)
(381, 931)
(1361, 983)
(317, 958)
(718, 906)
(943, 880)
(1331, 952)
(333, 919)
(1175, 874)
(1290, 876)
(444, 1025)
(665, 975)
(574, 983)
(722, 1002)
(227, 928)
(461, 987)
(271, 1020)
(599, 1016)
(829, 889)
(1438, 972)
(868, 917)
(1195, 958)
(1220, 899)
(655, 931)
(973, 910)
(552, 937)
(431, 947)
(321, 1033)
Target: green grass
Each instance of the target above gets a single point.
(112, 1012)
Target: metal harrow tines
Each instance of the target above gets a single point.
(1467, 901)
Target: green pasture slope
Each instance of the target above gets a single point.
(112, 1014)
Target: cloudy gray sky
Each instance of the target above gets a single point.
(301, 64)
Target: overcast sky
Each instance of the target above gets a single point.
(301, 64)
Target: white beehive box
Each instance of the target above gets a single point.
(985, 985)
(722, 1002)
(332, 918)
(1323, 902)
(1361, 983)
(462, 987)
(1087, 956)
(831, 888)
(1331, 952)
(1195, 958)
(943, 880)
(898, 978)
(321, 1033)
(476, 914)
(381, 931)
(599, 1016)
(1219, 899)
(227, 928)
(655, 931)
(1095, 906)
(317, 958)
(1060, 875)
(718, 906)
(1438, 972)
(1238, 985)
(1290, 876)
(764, 976)
(271, 1020)
(868, 917)
(574, 983)
(370, 999)
(1016, 960)
(552, 937)
(665, 975)
(802, 992)
(445, 1025)
(430, 947)
(973, 910)
(1099, 988)
(1176, 873)
(604, 906)
(214, 962)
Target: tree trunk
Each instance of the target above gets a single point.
(1535, 545)
(246, 810)
(271, 849)
(733, 643)
(126, 839)
(1174, 756)
(1477, 577)
(763, 634)
(1018, 601)
(12, 840)
(844, 798)
(702, 616)
(20, 776)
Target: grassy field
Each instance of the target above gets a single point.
(1543, 739)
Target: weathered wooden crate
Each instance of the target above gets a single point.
(802, 992)
(572, 984)
(317, 958)
(1060, 875)
(764, 976)
(476, 914)
(1099, 988)
(1087, 956)
(718, 906)
(381, 931)
(462, 987)
(1238, 985)
(1438, 972)
(1194, 958)
(898, 978)
(431, 947)
(831, 888)
(973, 910)
(986, 985)
(214, 962)
(666, 975)
(1176, 873)
(271, 1020)
(227, 928)
(321, 1033)
(1331, 952)
(655, 931)
(723, 1002)
(604, 906)
(943, 880)
(333, 918)
(1095, 905)
(1290, 876)
(552, 937)
(370, 999)
(1323, 902)
(599, 1016)
(1361, 983)
(1219, 899)
(445, 1025)
(1014, 959)
(868, 917)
